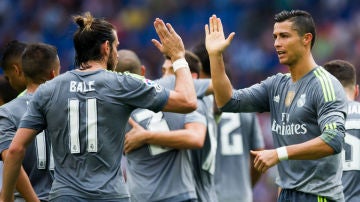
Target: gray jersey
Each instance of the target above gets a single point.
(158, 173)
(203, 160)
(351, 154)
(238, 133)
(86, 114)
(201, 85)
(37, 163)
(312, 107)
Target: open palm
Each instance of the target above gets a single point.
(214, 36)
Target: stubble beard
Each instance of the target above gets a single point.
(111, 63)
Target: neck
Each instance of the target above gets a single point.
(31, 87)
(350, 94)
(94, 65)
(302, 67)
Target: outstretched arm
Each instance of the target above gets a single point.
(183, 98)
(216, 44)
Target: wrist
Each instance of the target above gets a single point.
(147, 136)
(215, 54)
(282, 153)
(180, 63)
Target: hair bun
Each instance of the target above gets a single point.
(85, 21)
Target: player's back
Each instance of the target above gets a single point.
(86, 114)
(238, 133)
(37, 162)
(351, 153)
(157, 173)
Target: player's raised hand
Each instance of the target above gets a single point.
(214, 36)
(170, 43)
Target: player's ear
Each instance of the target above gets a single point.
(105, 47)
(357, 90)
(307, 38)
(143, 70)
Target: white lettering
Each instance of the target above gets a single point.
(288, 129)
(82, 87)
(354, 109)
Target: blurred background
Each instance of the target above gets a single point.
(251, 55)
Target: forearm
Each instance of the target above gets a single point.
(24, 187)
(12, 165)
(179, 139)
(220, 81)
(184, 85)
(310, 150)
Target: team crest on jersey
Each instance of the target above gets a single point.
(289, 98)
(301, 101)
(149, 82)
(277, 98)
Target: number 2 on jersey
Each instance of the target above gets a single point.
(231, 140)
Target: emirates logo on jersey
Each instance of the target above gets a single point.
(288, 128)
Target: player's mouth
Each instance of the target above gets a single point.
(280, 53)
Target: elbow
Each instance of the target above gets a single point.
(198, 144)
(15, 150)
(199, 140)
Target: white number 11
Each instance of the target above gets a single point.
(91, 125)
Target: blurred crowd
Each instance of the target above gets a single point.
(251, 55)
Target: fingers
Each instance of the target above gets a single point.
(207, 31)
(219, 25)
(211, 23)
(160, 28)
(230, 37)
(157, 44)
(126, 145)
(259, 163)
(132, 122)
(170, 28)
(253, 152)
(216, 23)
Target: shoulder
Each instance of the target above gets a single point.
(326, 85)
(277, 79)
(14, 104)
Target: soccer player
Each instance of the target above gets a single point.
(40, 63)
(307, 108)
(346, 74)
(86, 110)
(159, 141)
(203, 159)
(11, 65)
(238, 133)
